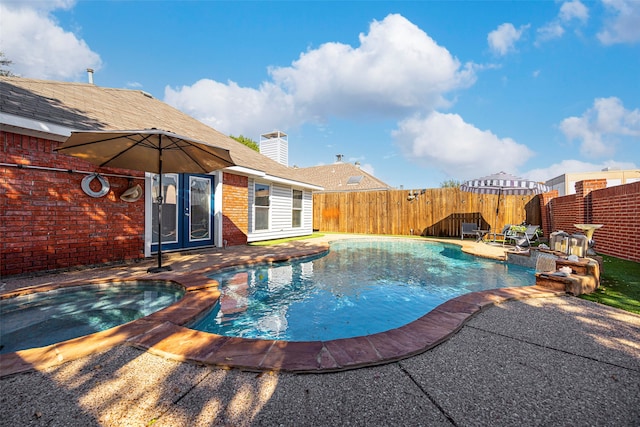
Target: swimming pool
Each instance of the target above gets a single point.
(360, 287)
(44, 318)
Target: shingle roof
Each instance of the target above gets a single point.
(83, 106)
(341, 177)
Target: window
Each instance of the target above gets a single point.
(355, 180)
(261, 203)
(296, 213)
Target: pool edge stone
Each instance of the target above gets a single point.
(164, 334)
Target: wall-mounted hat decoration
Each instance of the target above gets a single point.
(132, 194)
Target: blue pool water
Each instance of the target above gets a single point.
(359, 288)
(45, 318)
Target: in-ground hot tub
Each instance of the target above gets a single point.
(39, 319)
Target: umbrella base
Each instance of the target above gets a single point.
(159, 269)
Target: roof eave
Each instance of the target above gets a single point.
(254, 173)
(32, 127)
(293, 183)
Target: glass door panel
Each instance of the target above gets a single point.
(170, 201)
(199, 210)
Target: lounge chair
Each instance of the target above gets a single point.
(523, 238)
(532, 232)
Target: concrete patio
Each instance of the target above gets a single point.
(538, 361)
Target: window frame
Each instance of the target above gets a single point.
(296, 211)
(261, 207)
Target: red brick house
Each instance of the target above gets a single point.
(51, 217)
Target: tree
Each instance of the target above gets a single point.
(4, 64)
(451, 183)
(247, 141)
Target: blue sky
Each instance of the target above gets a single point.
(418, 92)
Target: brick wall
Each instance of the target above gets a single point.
(583, 199)
(235, 213)
(47, 222)
(618, 208)
(563, 214)
(545, 211)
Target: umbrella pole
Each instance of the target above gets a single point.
(159, 268)
(160, 201)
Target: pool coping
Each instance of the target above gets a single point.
(162, 333)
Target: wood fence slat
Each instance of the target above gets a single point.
(435, 212)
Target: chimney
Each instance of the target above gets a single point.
(339, 158)
(275, 145)
(90, 75)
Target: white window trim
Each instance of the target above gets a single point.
(301, 208)
(256, 207)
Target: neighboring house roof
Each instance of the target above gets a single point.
(49, 109)
(342, 177)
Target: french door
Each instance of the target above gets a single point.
(187, 211)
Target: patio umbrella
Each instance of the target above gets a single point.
(503, 183)
(149, 150)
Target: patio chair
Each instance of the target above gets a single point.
(532, 232)
(523, 238)
(468, 229)
(503, 233)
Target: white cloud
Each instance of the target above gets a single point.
(550, 31)
(397, 66)
(571, 10)
(457, 148)
(42, 5)
(396, 69)
(236, 110)
(624, 24)
(38, 46)
(598, 127)
(574, 166)
(503, 39)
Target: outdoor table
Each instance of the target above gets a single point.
(481, 234)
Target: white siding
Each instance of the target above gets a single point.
(307, 211)
(251, 201)
(281, 206)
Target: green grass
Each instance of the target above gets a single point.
(619, 285)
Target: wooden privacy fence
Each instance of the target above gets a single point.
(429, 212)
